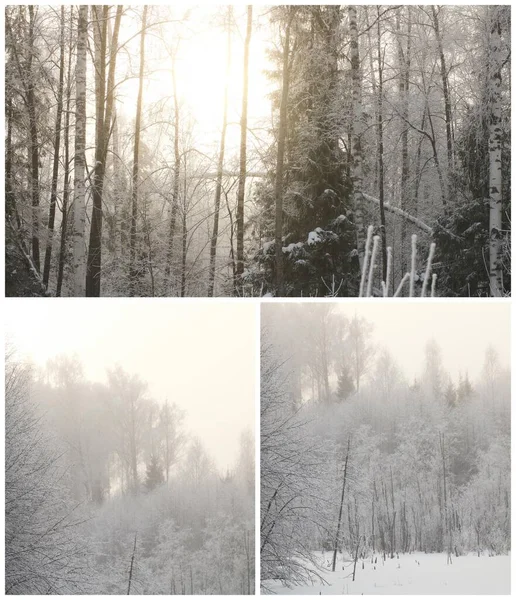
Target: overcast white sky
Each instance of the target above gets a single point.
(463, 330)
(197, 354)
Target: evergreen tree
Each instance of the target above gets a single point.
(154, 476)
(318, 235)
(345, 385)
(450, 395)
(464, 389)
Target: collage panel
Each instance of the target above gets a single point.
(202, 150)
(295, 221)
(385, 448)
(129, 449)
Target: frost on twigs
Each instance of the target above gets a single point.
(369, 266)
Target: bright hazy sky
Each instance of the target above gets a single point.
(202, 355)
(199, 355)
(200, 68)
(462, 329)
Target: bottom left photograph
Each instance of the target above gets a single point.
(129, 448)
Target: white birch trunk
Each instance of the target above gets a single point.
(79, 246)
(356, 132)
(495, 157)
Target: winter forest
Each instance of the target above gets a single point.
(378, 478)
(250, 151)
(112, 491)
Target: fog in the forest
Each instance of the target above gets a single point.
(130, 449)
(463, 332)
(385, 448)
(186, 354)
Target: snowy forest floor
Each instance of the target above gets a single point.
(416, 573)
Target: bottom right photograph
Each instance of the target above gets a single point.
(385, 448)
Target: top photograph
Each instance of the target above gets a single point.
(257, 151)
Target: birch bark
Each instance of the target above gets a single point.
(495, 157)
(79, 195)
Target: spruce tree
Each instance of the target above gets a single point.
(345, 386)
(450, 395)
(154, 476)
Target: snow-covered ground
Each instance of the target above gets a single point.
(416, 573)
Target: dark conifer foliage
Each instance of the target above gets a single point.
(154, 475)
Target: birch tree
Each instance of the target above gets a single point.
(356, 131)
(79, 195)
(57, 143)
(495, 156)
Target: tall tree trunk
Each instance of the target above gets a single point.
(356, 132)
(184, 238)
(373, 82)
(101, 14)
(136, 158)
(446, 93)
(117, 169)
(404, 80)
(495, 156)
(10, 202)
(66, 179)
(57, 144)
(432, 139)
(447, 528)
(380, 149)
(118, 184)
(282, 134)
(417, 169)
(220, 166)
(79, 194)
(339, 521)
(175, 189)
(243, 153)
(34, 147)
(104, 111)
(232, 244)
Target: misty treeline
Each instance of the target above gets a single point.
(360, 464)
(391, 116)
(106, 493)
